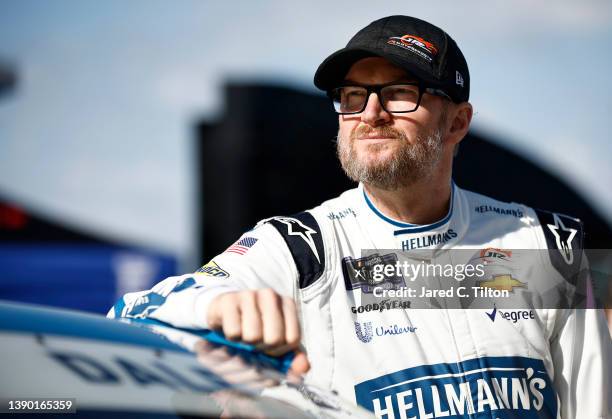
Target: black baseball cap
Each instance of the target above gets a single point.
(422, 49)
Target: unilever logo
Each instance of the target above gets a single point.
(366, 335)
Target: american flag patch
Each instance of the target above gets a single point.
(242, 246)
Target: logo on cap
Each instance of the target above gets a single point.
(458, 78)
(415, 44)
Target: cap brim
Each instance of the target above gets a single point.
(333, 70)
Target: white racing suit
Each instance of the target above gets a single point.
(405, 357)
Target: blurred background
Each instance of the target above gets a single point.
(138, 139)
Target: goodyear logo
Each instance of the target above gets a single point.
(502, 283)
(212, 269)
(491, 387)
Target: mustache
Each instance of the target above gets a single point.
(382, 131)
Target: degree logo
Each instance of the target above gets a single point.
(514, 316)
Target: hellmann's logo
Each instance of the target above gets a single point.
(497, 387)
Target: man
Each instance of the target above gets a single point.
(401, 89)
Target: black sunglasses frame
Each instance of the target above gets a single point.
(376, 88)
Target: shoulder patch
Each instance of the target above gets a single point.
(213, 269)
(302, 234)
(565, 241)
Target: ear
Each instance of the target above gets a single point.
(459, 123)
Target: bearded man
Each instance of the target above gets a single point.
(313, 282)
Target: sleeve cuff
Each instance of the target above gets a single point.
(203, 301)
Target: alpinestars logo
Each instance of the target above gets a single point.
(563, 237)
(297, 228)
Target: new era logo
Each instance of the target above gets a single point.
(458, 78)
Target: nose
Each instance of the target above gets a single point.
(374, 114)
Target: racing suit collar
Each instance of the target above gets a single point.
(443, 233)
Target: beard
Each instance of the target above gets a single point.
(408, 163)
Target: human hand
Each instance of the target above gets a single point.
(262, 318)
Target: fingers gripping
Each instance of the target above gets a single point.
(261, 317)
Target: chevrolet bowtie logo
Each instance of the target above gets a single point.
(502, 283)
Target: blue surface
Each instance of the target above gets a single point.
(246, 351)
(24, 318)
(76, 276)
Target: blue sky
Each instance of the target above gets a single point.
(100, 128)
